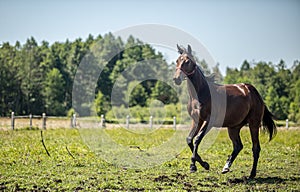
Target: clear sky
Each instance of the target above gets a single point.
(231, 30)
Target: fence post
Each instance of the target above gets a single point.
(151, 121)
(74, 120)
(71, 121)
(44, 120)
(30, 121)
(174, 123)
(287, 123)
(12, 120)
(127, 121)
(102, 122)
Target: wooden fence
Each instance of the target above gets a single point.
(44, 122)
(73, 121)
(43, 118)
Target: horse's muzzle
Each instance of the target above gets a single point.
(177, 81)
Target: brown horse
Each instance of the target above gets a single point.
(213, 105)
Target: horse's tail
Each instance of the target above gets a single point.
(268, 123)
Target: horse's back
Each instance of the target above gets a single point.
(238, 90)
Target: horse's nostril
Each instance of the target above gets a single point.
(177, 81)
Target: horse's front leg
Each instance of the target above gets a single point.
(196, 156)
(194, 131)
(194, 112)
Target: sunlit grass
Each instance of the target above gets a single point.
(24, 164)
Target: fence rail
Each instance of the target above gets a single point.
(73, 121)
(43, 122)
(52, 122)
(38, 117)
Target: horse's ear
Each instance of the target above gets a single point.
(189, 49)
(180, 50)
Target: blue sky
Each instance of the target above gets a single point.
(231, 30)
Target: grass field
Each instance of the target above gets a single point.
(72, 166)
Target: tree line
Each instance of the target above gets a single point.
(37, 78)
(278, 85)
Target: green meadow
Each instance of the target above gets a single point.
(73, 165)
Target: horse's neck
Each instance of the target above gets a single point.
(198, 88)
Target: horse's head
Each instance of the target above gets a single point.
(185, 64)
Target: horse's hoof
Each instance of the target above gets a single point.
(225, 170)
(205, 165)
(193, 168)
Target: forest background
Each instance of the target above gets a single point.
(38, 78)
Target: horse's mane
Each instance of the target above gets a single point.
(210, 78)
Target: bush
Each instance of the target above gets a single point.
(71, 112)
(161, 114)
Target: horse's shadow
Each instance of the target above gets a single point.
(262, 180)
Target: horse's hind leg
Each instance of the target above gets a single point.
(254, 130)
(234, 134)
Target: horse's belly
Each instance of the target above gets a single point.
(235, 116)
